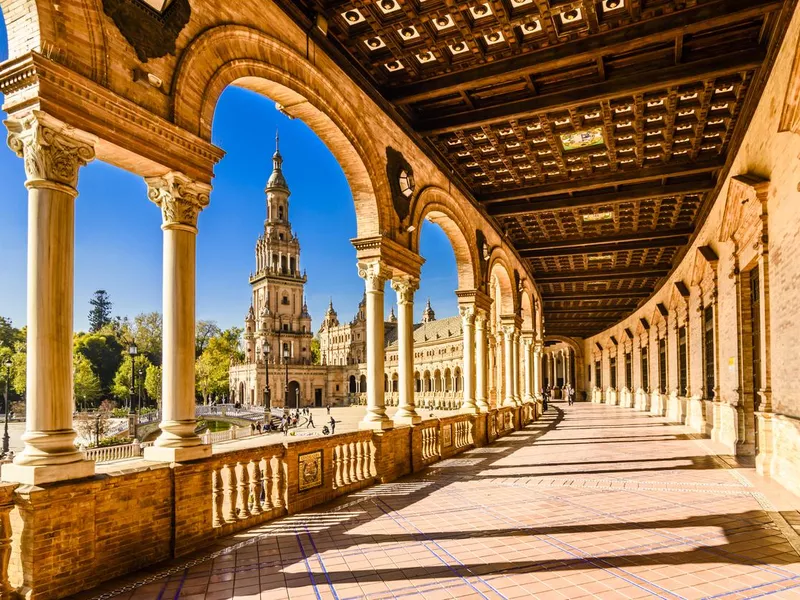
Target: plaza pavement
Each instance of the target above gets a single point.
(592, 501)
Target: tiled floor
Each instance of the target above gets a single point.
(590, 502)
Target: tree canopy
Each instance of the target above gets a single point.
(100, 313)
(104, 352)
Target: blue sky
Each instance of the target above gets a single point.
(118, 239)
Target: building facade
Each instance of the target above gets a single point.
(278, 369)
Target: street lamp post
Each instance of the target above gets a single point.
(265, 349)
(297, 399)
(286, 383)
(5, 431)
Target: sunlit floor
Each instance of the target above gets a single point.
(590, 502)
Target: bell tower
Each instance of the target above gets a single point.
(282, 323)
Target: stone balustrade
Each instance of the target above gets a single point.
(138, 513)
(119, 452)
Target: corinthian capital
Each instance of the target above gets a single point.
(405, 288)
(180, 199)
(374, 275)
(467, 314)
(481, 317)
(51, 150)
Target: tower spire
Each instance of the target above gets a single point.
(277, 182)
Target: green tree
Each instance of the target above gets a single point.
(104, 353)
(152, 383)
(100, 313)
(147, 330)
(9, 335)
(205, 331)
(211, 368)
(315, 351)
(19, 369)
(86, 383)
(121, 387)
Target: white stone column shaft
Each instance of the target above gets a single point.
(374, 276)
(481, 394)
(406, 413)
(180, 200)
(468, 369)
(537, 370)
(53, 155)
(526, 348)
(508, 359)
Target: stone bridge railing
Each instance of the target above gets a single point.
(131, 517)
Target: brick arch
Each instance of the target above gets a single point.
(441, 208)
(239, 55)
(527, 311)
(500, 270)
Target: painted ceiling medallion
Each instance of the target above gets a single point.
(151, 32)
(582, 139)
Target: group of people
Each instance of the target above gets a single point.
(568, 392)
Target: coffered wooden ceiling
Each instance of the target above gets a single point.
(594, 131)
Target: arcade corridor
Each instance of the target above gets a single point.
(592, 501)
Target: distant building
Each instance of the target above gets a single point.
(278, 333)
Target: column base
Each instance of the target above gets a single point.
(483, 406)
(404, 420)
(381, 425)
(176, 455)
(39, 474)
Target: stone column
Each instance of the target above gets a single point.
(499, 371)
(375, 276)
(508, 359)
(180, 200)
(53, 154)
(537, 370)
(468, 321)
(526, 352)
(568, 366)
(515, 360)
(481, 394)
(405, 288)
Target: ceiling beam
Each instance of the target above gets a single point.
(608, 180)
(597, 295)
(598, 275)
(653, 31)
(587, 309)
(623, 85)
(631, 241)
(501, 208)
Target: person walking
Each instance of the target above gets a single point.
(328, 406)
(570, 395)
(310, 422)
(333, 425)
(252, 428)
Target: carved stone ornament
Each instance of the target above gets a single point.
(401, 181)
(405, 289)
(51, 150)
(374, 275)
(467, 314)
(180, 199)
(152, 34)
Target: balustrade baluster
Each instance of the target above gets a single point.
(253, 475)
(241, 490)
(368, 451)
(345, 463)
(359, 461)
(229, 494)
(266, 481)
(216, 499)
(278, 481)
(337, 468)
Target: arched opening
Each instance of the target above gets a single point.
(362, 385)
(295, 398)
(353, 388)
(448, 380)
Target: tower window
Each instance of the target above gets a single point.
(280, 236)
(285, 299)
(280, 215)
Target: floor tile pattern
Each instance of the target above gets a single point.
(590, 502)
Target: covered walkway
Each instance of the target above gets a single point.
(590, 501)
